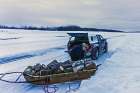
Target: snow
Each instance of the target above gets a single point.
(119, 72)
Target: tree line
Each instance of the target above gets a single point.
(59, 28)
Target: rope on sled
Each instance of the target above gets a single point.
(8, 81)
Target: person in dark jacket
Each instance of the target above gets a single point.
(76, 52)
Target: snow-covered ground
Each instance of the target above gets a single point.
(119, 72)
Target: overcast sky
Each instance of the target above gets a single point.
(114, 14)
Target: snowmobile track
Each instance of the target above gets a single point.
(21, 56)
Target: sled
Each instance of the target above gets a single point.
(59, 78)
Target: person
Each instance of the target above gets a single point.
(87, 50)
(87, 55)
(76, 52)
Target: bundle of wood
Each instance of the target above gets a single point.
(53, 67)
(56, 67)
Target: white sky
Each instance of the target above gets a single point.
(113, 14)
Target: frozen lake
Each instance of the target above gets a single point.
(119, 72)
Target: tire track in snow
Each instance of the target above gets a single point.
(26, 55)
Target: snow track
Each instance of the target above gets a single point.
(21, 56)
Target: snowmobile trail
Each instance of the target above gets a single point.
(26, 55)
